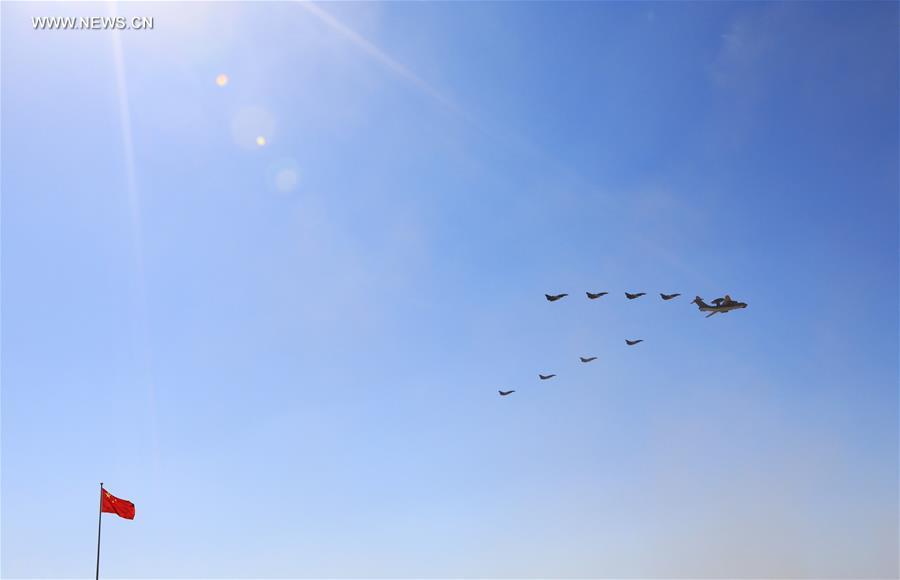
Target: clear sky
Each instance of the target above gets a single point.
(288, 354)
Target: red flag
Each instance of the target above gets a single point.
(114, 505)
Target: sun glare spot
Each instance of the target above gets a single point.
(283, 175)
(222, 80)
(286, 180)
(252, 127)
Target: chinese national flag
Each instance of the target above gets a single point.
(121, 507)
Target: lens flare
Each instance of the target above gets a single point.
(286, 180)
(283, 175)
(222, 80)
(252, 127)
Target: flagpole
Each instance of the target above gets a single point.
(99, 521)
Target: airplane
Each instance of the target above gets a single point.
(504, 393)
(722, 305)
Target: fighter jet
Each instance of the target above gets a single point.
(504, 393)
(633, 342)
(722, 305)
(592, 296)
(669, 296)
(554, 297)
(633, 296)
(587, 359)
(545, 377)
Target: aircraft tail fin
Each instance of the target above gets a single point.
(700, 303)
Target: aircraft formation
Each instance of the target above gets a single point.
(722, 305)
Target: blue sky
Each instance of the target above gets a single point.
(288, 355)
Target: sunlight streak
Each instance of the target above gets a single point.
(142, 340)
(487, 127)
(379, 55)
